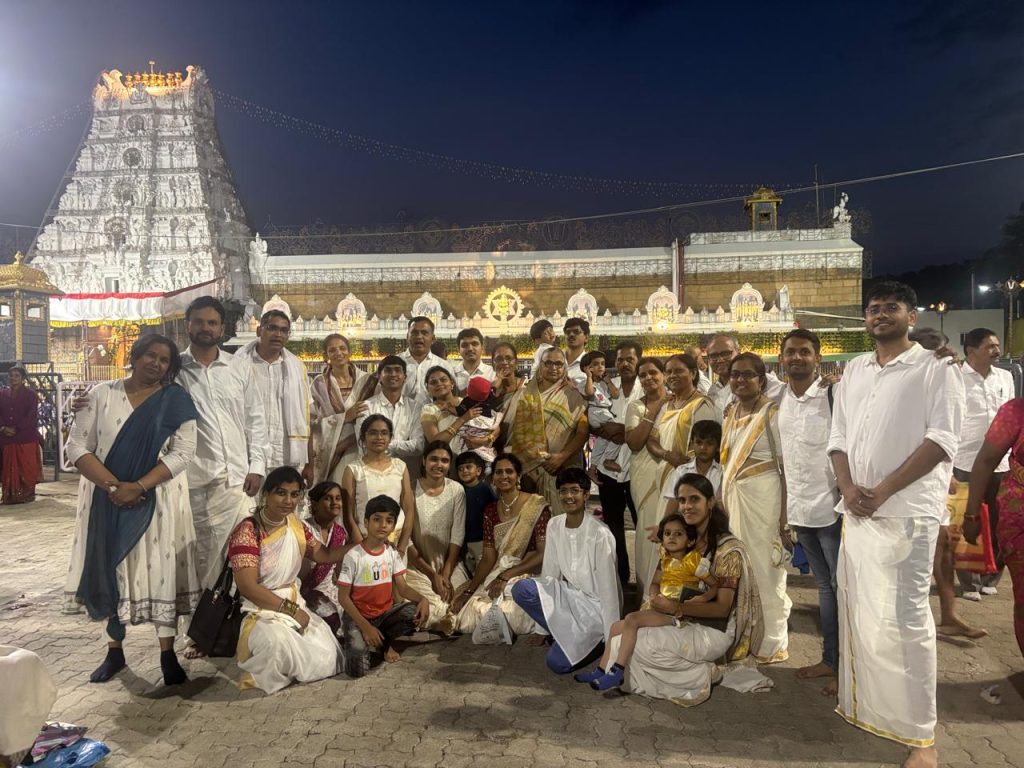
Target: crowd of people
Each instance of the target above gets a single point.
(452, 497)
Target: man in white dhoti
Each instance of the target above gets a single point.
(284, 389)
(895, 430)
(231, 435)
(577, 597)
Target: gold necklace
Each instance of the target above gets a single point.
(508, 507)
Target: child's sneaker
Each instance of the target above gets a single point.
(590, 676)
(611, 679)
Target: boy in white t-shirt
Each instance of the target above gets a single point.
(706, 442)
(370, 574)
(599, 390)
(543, 333)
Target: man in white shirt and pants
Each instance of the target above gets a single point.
(419, 359)
(895, 431)
(805, 419)
(987, 389)
(229, 464)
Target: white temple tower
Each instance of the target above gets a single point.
(150, 206)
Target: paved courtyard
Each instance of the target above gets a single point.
(450, 703)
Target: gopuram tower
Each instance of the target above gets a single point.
(150, 205)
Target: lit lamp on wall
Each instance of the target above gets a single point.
(940, 309)
(1010, 288)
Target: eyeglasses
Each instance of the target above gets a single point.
(891, 308)
(716, 356)
(567, 490)
(744, 375)
(553, 364)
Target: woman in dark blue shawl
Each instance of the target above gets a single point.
(133, 556)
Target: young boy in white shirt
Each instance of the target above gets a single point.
(706, 442)
(599, 390)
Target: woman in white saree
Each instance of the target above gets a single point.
(515, 528)
(753, 490)
(338, 394)
(280, 641)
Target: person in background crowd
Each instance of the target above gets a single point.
(613, 484)
(419, 359)
(698, 354)
(402, 411)
(479, 494)
(805, 420)
(376, 473)
(515, 530)
(549, 426)
(721, 351)
(577, 333)
(988, 388)
(576, 598)
(1005, 435)
(642, 419)
(436, 571)
(22, 465)
(133, 553)
(706, 440)
(950, 622)
(284, 390)
(281, 640)
(895, 429)
(754, 494)
(471, 348)
(542, 333)
(325, 525)
(338, 394)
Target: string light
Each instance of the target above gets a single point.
(50, 123)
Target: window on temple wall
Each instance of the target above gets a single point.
(34, 312)
(5, 310)
(112, 284)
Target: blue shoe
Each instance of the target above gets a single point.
(609, 680)
(588, 677)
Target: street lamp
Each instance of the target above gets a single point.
(940, 309)
(1010, 288)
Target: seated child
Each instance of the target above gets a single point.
(479, 493)
(599, 390)
(705, 442)
(680, 575)
(370, 575)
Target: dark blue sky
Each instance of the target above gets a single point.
(737, 93)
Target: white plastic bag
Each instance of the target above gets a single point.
(493, 628)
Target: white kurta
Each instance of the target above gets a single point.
(440, 523)
(157, 581)
(579, 585)
(371, 482)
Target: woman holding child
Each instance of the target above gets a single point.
(514, 535)
(281, 640)
(438, 417)
(679, 640)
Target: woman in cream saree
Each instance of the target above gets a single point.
(513, 548)
(753, 493)
(337, 395)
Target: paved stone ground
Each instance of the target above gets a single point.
(449, 703)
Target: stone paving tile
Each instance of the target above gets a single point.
(449, 703)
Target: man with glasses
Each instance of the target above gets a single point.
(419, 359)
(393, 400)
(284, 389)
(895, 430)
(576, 331)
(721, 351)
(576, 598)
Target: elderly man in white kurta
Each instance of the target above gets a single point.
(895, 430)
(577, 597)
(229, 464)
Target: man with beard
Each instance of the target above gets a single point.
(805, 417)
(988, 388)
(721, 351)
(229, 464)
(612, 483)
(895, 431)
(419, 359)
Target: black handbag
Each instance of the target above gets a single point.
(218, 618)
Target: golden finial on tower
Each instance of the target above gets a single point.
(19, 257)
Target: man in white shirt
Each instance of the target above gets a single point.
(895, 431)
(393, 401)
(419, 359)
(805, 419)
(722, 350)
(577, 332)
(284, 389)
(987, 389)
(471, 348)
(613, 485)
(229, 464)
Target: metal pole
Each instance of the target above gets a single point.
(972, 289)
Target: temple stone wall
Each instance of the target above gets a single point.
(835, 291)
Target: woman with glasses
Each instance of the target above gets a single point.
(754, 494)
(549, 426)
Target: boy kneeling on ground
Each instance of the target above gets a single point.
(371, 575)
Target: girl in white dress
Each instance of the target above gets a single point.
(375, 474)
(133, 553)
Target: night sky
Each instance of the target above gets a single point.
(709, 95)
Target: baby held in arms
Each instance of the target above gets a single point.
(682, 575)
